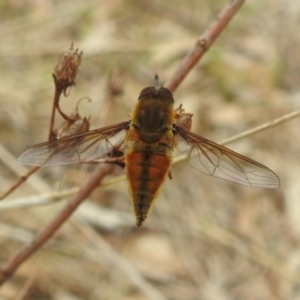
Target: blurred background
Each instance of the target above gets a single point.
(204, 238)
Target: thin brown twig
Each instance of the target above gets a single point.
(56, 97)
(203, 43)
(47, 232)
(18, 182)
(10, 161)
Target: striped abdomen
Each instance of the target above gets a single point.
(146, 172)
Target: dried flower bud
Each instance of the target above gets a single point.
(66, 69)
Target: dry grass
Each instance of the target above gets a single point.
(205, 238)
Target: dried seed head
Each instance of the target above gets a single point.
(66, 69)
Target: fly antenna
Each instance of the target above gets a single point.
(156, 82)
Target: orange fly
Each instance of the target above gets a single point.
(147, 142)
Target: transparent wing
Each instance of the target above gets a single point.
(76, 149)
(218, 161)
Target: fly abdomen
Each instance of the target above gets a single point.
(146, 173)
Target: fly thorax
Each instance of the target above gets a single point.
(152, 119)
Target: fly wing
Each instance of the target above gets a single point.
(218, 161)
(76, 149)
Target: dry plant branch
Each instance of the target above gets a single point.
(47, 232)
(203, 43)
(19, 181)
